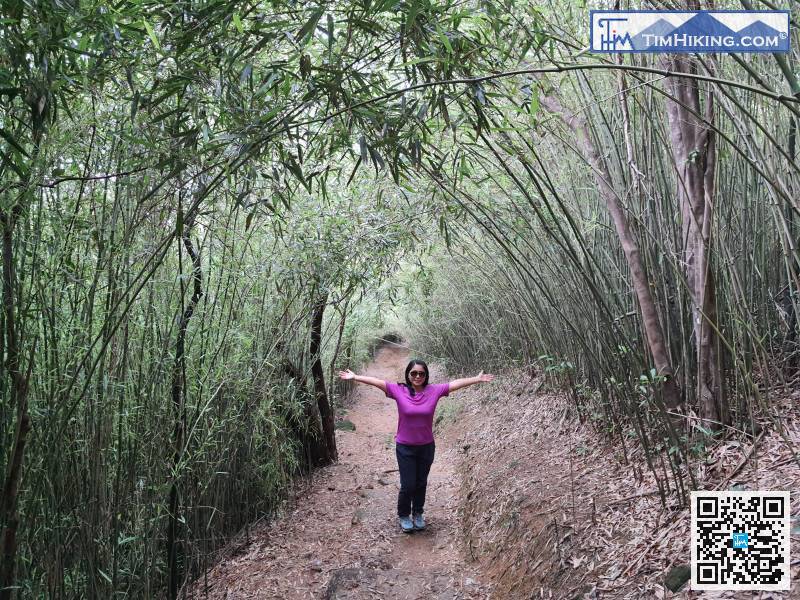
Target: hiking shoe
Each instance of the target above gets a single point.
(419, 522)
(406, 525)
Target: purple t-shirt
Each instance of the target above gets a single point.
(415, 413)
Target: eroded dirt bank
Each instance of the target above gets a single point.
(551, 509)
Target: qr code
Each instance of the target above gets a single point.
(740, 540)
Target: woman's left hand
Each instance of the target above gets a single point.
(484, 377)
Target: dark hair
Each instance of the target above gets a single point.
(408, 379)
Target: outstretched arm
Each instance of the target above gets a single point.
(481, 377)
(378, 383)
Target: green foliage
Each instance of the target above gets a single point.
(359, 153)
(123, 129)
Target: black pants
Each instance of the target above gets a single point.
(414, 463)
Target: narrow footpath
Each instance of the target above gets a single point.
(340, 538)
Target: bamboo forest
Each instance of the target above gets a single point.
(229, 226)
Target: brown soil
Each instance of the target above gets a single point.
(341, 539)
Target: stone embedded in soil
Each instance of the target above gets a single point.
(345, 425)
(586, 592)
(677, 577)
(343, 580)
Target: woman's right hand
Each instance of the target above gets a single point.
(346, 374)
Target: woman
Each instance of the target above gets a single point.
(416, 402)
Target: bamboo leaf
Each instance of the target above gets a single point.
(152, 34)
(376, 159)
(444, 39)
(10, 139)
(330, 36)
(412, 13)
(362, 144)
(246, 72)
(444, 230)
(534, 107)
(307, 30)
(7, 160)
(353, 173)
(134, 105)
(297, 171)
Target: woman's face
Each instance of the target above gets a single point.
(417, 374)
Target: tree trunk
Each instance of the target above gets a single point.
(318, 374)
(9, 517)
(790, 297)
(173, 546)
(652, 325)
(332, 379)
(694, 153)
(308, 430)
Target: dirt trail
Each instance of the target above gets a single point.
(341, 539)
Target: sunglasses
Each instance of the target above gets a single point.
(416, 373)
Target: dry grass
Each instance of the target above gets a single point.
(551, 511)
